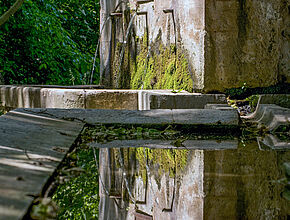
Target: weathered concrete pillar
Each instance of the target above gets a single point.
(245, 43)
(208, 45)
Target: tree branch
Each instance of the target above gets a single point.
(11, 11)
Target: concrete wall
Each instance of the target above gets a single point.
(246, 42)
(226, 42)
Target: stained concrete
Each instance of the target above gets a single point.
(184, 101)
(31, 148)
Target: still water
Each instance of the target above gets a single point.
(197, 180)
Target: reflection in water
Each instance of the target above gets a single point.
(241, 183)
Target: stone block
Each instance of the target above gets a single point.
(183, 100)
(149, 117)
(218, 106)
(62, 98)
(111, 99)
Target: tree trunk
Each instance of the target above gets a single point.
(11, 11)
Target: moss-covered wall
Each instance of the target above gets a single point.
(198, 45)
(164, 68)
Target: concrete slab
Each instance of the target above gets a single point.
(111, 99)
(150, 117)
(206, 116)
(31, 147)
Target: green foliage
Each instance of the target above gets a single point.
(49, 42)
(78, 198)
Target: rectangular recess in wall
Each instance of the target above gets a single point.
(140, 2)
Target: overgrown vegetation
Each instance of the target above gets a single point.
(49, 42)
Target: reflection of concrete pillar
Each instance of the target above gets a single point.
(242, 183)
(109, 206)
(210, 184)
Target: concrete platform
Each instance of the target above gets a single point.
(31, 148)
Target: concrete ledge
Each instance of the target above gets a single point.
(271, 116)
(151, 117)
(31, 148)
(81, 97)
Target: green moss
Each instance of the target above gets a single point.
(167, 68)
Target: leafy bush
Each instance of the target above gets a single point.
(49, 42)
